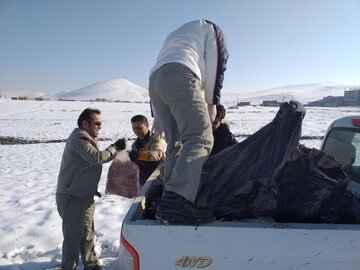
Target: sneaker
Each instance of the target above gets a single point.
(174, 208)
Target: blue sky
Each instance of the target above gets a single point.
(58, 45)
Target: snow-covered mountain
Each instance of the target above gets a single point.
(303, 93)
(124, 90)
(111, 90)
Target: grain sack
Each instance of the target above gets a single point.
(123, 176)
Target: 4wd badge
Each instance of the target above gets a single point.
(194, 261)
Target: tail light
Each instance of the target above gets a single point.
(128, 257)
(355, 122)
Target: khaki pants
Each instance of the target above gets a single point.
(78, 231)
(178, 99)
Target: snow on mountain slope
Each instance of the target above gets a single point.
(303, 93)
(111, 90)
(124, 90)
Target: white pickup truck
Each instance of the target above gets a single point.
(252, 244)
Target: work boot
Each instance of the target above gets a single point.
(174, 208)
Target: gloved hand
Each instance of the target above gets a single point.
(133, 155)
(120, 144)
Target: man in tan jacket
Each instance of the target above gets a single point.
(79, 175)
(147, 150)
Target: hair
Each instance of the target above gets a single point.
(86, 115)
(220, 111)
(139, 118)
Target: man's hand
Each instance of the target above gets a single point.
(120, 144)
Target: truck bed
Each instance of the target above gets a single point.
(250, 244)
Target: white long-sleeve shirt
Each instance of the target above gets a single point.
(200, 46)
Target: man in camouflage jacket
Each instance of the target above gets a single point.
(147, 149)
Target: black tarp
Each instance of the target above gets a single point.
(270, 175)
(238, 182)
(312, 188)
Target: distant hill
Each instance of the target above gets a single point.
(111, 90)
(303, 93)
(124, 90)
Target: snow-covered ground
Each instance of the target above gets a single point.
(30, 228)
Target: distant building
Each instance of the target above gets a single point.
(351, 98)
(22, 98)
(336, 101)
(41, 98)
(243, 103)
(100, 100)
(270, 103)
(329, 101)
(65, 99)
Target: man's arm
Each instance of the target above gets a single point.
(86, 149)
(216, 56)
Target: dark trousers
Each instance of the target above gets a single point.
(78, 231)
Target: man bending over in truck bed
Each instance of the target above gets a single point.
(184, 88)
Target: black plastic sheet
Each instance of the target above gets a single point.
(238, 182)
(312, 188)
(270, 175)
